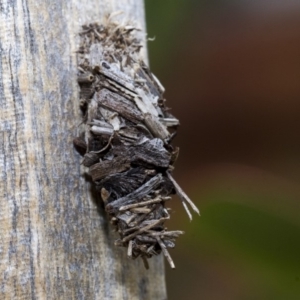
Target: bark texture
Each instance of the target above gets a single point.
(54, 243)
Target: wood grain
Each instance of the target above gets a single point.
(54, 243)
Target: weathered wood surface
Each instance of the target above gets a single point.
(54, 244)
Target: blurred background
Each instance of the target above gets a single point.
(231, 69)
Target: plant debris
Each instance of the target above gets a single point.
(126, 142)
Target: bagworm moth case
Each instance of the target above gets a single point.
(127, 138)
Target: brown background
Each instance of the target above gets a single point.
(232, 74)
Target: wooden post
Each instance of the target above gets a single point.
(54, 244)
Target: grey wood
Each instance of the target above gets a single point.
(53, 242)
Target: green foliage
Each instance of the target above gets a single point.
(165, 20)
(265, 245)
